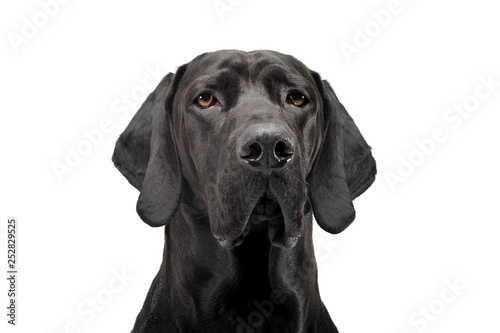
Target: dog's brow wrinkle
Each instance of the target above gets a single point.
(249, 70)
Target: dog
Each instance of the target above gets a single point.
(233, 154)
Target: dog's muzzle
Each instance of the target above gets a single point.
(267, 149)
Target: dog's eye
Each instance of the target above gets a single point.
(297, 98)
(206, 100)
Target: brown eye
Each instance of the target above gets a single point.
(297, 98)
(206, 100)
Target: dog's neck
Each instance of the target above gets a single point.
(252, 265)
(207, 277)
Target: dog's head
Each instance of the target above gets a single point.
(256, 137)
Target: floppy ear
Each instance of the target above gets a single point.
(344, 167)
(146, 155)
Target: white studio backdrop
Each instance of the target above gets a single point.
(420, 78)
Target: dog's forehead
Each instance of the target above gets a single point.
(247, 65)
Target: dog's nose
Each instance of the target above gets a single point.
(265, 146)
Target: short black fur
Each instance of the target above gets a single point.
(238, 253)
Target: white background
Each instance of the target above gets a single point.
(437, 226)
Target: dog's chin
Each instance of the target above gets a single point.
(267, 215)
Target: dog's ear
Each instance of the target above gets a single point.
(146, 154)
(344, 167)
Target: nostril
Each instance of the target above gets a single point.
(283, 151)
(264, 147)
(252, 152)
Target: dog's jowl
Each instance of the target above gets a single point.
(233, 155)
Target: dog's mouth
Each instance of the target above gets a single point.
(267, 213)
(267, 207)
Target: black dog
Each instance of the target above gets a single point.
(233, 154)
